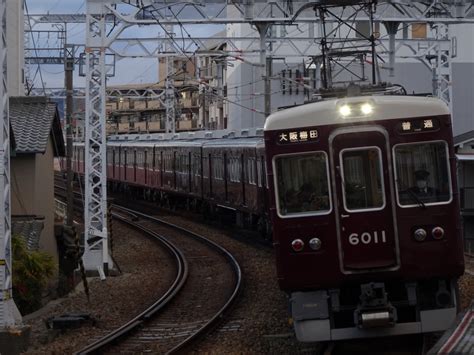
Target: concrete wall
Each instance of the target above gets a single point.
(33, 192)
(23, 172)
(463, 97)
(44, 198)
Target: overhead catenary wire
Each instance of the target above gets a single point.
(25, 3)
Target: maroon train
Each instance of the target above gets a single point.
(215, 176)
(365, 215)
(362, 197)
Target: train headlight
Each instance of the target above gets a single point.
(345, 110)
(420, 235)
(297, 245)
(315, 243)
(366, 108)
(437, 233)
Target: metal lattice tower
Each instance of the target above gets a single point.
(9, 315)
(96, 252)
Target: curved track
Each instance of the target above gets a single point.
(199, 297)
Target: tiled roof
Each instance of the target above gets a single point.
(33, 119)
(29, 229)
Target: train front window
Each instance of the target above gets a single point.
(422, 174)
(362, 179)
(302, 184)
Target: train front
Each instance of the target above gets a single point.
(365, 215)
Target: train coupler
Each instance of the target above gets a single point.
(374, 309)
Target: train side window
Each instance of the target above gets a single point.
(217, 168)
(149, 159)
(205, 167)
(168, 162)
(251, 171)
(422, 174)
(130, 157)
(259, 172)
(234, 169)
(157, 160)
(302, 184)
(196, 169)
(362, 182)
(265, 175)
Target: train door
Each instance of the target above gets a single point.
(145, 166)
(135, 163)
(364, 204)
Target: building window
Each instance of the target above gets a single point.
(419, 30)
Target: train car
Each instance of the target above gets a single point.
(220, 174)
(365, 215)
(231, 180)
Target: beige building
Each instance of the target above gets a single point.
(38, 139)
(132, 111)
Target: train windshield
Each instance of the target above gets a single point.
(422, 173)
(302, 182)
(363, 182)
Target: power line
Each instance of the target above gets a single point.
(36, 51)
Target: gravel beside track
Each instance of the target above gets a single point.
(147, 273)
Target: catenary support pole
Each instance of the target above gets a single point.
(69, 69)
(9, 315)
(96, 253)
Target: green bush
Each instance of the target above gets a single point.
(31, 272)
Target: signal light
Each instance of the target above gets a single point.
(315, 243)
(437, 233)
(297, 245)
(419, 235)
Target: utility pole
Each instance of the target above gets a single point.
(266, 67)
(170, 124)
(69, 69)
(268, 87)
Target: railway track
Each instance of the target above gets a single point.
(173, 328)
(188, 309)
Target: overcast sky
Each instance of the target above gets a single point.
(56, 6)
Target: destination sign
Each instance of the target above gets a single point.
(299, 136)
(418, 126)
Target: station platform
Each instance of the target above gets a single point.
(459, 339)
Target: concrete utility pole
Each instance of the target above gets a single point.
(170, 124)
(268, 86)
(266, 66)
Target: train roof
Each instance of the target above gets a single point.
(234, 142)
(384, 108)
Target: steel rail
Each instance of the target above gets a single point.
(223, 251)
(235, 265)
(180, 280)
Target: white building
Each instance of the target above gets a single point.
(245, 83)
